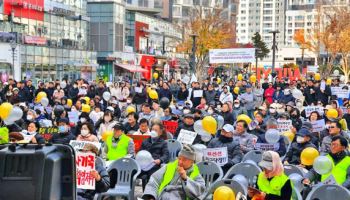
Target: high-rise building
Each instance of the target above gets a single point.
(49, 38)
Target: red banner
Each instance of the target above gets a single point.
(34, 40)
(31, 9)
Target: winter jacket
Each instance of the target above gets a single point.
(158, 148)
(165, 93)
(228, 117)
(182, 95)
(293, 155)
(234, 152)
(210, 96)
(238, 111)
(246, 141)
(268, 94)
(248, 100)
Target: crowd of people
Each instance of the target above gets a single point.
(245, 110)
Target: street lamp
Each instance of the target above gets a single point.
(274, 47)
(13, 45)
(193, 56)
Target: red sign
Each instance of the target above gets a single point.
(139, 32)
(138, 139)
(31, 9)
(34, 40)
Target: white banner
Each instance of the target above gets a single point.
(186, 137)
(237, 55)
(85, 163)
(217, 155)
(340, 92)
(310, 109)
(77, 145)
(267, 147)
(318, 126)
(284, 125)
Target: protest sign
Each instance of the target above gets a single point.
(47, 132)
(138, 139)
(171, 126)
(318, 126)
(85, 163)
(77, 145)
(284, 125)
(73, 116)
(186, 137)
(217, 155)
(310, 109)
(340, 92)
(267, 147)
(197, 93)
(138, 89)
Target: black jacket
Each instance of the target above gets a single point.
(62, 138)
(158, 148)
(293, 155)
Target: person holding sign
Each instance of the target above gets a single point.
(32, 130)
(302, 142)
(273, 183)
(179, 179)
(99, 174)
(233, 148)
(119, 145)
(341, 164)
(158, 148)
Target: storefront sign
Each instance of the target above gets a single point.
(34, 40)
(31, 9)
(62, 11)
(237, 55)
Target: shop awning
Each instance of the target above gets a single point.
(132, 68)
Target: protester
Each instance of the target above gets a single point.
(64, 136)
(32, 130)
(86, 133)
(246, 140)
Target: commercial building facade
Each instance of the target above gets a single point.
(52, 38)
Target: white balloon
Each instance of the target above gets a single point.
(323, 165)
(198, 148)
(220, 122)
(206, 138)
(15, 114)
(106, 96)
(342, 78)
(297, 94)
(336, 72)
(272, 136)
(44, 101)
(63, 84)
(197, 126)
(8, 122)
(297, 181)
(144, 158)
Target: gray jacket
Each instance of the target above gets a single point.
(327, 140)
(238, 111)
(248, 100)
(234, 152)
(176, 188)
(246, 140)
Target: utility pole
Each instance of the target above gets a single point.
(163, 44)
(274, 47)
(193, 56)
(302, 59)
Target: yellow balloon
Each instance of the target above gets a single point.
(332, 113)
(87, 100)
(130, 109)
(69, 102)
(224, 193)
(148, 89)
(39, 96)
(317, 77)
(5, 110)
(155, 75)
(253, 78)
(244, 118)
(85, 108)
(290, 135)
(106, 134)
(218, 80)
(236, 90)
(209, 124)
(240, 77)
(308, 155)
(153, 94)
(344, 125)
(329, 81)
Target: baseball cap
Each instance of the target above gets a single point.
(228, 128)
(266, 161)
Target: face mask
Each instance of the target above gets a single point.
(107, 118)
(236, 105)
(154, 134)
(62, 129)
(82, 120)
(300, 139)
(186, 111)
(84, 132)
(272, 110)
(128, 101)
(286, 92)
(31, 133)
(29, 117)
(180, 107)
(210, 112)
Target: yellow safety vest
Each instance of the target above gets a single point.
(170, 173)
(119, 151)
(273, 186)
(339, 171)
